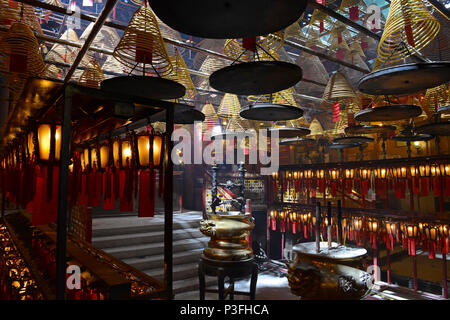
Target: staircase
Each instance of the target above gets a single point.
(139, 242)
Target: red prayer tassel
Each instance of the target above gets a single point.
(432, 250)
(409, 35)
(282, 226)
(146, 194)
(333, 188)
(353, 13)
(423, 186)
(437, 186)
(411, 246)
(273, 224)
(365, 187)
(249, 43)
(108, 190)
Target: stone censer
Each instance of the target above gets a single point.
(328, 270)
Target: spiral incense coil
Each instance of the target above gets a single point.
(409, 22)
(341, 124)
(316, 128)
(271, 43)
(355, 48)
(436, 98)
(211, 118)
(318, 16)
(142, 47)
(313, 39)
(11, 11)
(281, 97)
(215, 45)
(92, 75)
(294, 30)
(181, 75)
(229, 106)
(348, 4)
(20, 46)
(338, 88)
(340, 30)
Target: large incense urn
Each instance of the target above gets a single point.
(228, 232)
(333, 273)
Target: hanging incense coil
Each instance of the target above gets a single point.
(294, 30)
(318, 16)
(435, 98)
(62, 53)
(234, 48)
(408, 23)
(338, 88)
(229, 106)
(180, 74)
(341, 124)
(11, 11)
(106, 38)
(340, 30)
(92, 76)
(281, 97)
(313, 39)
(142, 47)
(211, 118)
(168, 33)
(355, 48)
(21, 52)
(348, 4)
(316, 128)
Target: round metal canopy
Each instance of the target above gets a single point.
(388, 113)
(354, 139)
(416, 137)
(270, 112)
(144, 87)
(297, 141)
(369, 129)
(443, 109)
(344, 145)
(256, 78)
(226, 19)
(435, 129)
(290, 132)
(405, 79)
(188, 116)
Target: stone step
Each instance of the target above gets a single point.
(143, 228)
(129, 239)
(148, 249)
(180, 272)
(191, 284)
(157, 261)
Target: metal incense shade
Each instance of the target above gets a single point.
(393, 112)
(405, 79)
(338, 88)
(369, 129)
(224, 19)
(408, 23)
(92, 76)
(264, 75)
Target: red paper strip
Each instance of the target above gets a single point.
(249, 43)
(423, 186)
(353, 13)
(146, 194)
(143, 53)
(409, 35)
(18, 63)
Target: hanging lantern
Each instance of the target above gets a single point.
(381, 173)
(364, 173)
(372, 225)
(443, 230)
(431, 233)
(410, 230)
(143, 143)
(122, 152)
(334, 174)
(104, 156)
(413, 171)
(424, 170)
(349, 173)
(421, 226)
(44, 140)
(391, 227)
(94, 160)
(357, 223)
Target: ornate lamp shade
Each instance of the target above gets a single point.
(143, 144)
(142, 44)
(211, 119)
(249, 50)
(338, 88)
(44, 141)
(229, 106)
(92, 75)
(181, 75)
(409, 22)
